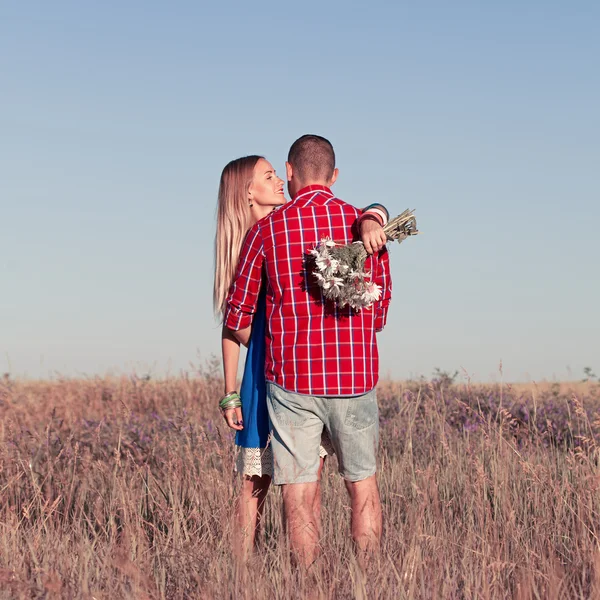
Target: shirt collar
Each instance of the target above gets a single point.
(311, 189)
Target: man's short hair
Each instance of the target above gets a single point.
(312, 158)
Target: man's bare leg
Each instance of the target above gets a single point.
(317, 499)
(366, 515)
(301, 522)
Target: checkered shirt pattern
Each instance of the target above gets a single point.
(312, 346)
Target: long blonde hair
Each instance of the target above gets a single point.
(233, 221)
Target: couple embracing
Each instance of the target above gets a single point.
(308, 388)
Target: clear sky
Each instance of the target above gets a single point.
(116, 119)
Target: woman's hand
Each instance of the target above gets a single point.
(233, 418)
(372, 236)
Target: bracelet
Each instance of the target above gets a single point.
(231, 405)
(379, 212)
(371, 217)
(229, 396)
(377, 206)
(230, 400)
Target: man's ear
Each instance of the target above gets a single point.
(288, 171)
(336, 172)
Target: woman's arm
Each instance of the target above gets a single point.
(230, 348)
(370, 226)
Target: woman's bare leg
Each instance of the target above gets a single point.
(249, 514)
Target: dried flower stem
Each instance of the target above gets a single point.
(339, 270)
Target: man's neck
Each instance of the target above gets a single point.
(304, 184)
(312, 185)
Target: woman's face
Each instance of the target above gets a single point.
(266, 189)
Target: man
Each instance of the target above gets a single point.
(321, 361)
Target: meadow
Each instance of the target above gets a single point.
(123, 487)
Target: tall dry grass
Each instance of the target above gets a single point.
(123, 488)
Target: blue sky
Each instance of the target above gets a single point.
(116, 120)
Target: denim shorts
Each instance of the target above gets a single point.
(298, 420)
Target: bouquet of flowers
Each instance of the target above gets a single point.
(340, 269)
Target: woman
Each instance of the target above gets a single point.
(249, 190)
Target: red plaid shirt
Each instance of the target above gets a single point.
(312, 347)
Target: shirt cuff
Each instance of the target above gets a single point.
(235, 319)
(381, 316)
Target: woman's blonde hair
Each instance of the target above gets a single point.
(233, 221)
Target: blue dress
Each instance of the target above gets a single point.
(255, 456)
(254, 390)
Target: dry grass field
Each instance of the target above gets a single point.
(123, 488)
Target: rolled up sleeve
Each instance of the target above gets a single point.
(244, 291)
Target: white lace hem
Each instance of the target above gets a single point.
(259, 461)
(255, 461)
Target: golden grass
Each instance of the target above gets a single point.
(581, 388)
(123, 488)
